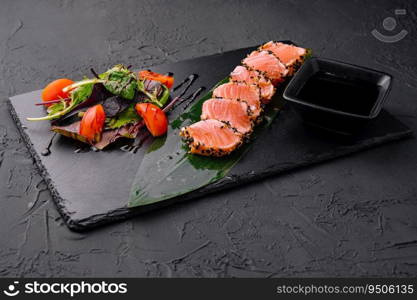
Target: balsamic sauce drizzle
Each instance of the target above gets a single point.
(137, 143)
(83, 148)
(192, 97)
(189, 81)
(180, 98)
(126, 148)
(47, 150)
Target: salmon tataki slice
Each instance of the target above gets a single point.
(236, 107)
(241, 92)
(268, 64)
(244, 74)
(232, 112)
(211, 138)
(291, 56)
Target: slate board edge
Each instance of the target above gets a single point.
(66, 215)
(229, 183)
(224, 184)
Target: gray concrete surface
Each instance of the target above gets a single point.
(355, 216)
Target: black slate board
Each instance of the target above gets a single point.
(92, 188)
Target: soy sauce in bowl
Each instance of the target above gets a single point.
(347, 95)
(337, 96)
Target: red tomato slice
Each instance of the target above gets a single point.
(155, 119)
(92, 123)
(53, 91)
(166, 80)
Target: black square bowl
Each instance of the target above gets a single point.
(346, 109)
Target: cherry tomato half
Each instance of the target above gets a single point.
(92, 123)
(155, 119)
(166, 80)
(53, 91)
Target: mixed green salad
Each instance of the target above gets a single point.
(117, 103)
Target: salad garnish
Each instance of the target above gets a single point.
(116, 103)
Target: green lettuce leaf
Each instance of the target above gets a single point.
(78, 95)
(120, 81)
(56, 108)
(127, 116)
(82, 93)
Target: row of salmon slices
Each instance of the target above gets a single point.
(229, 117)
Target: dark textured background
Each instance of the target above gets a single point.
(352, 217)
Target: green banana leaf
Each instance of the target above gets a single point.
(168, 170)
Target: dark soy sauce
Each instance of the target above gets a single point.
(47, 150)
(350, 96)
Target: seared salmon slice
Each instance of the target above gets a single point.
(232, 112)
(244, 74)
(241, 92)
(211, 138)
(228, 118)
(268, 64)
(291, 56)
